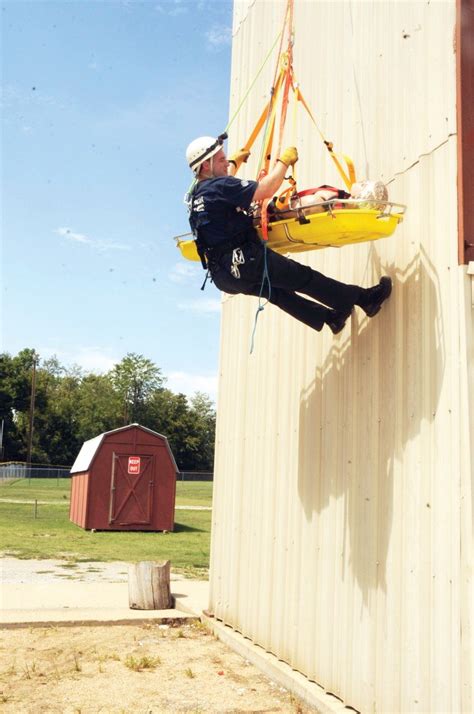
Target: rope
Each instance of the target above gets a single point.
(253, 83)
(189, 192)
(261, 307)
(356, 84)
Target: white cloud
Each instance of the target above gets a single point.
(172, 8)
(218, 37)
(71, 235)
(188, 384)
(91, 359)
(205, 305)
(101, 245)
(182, 272)
(98, 361)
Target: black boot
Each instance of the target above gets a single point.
(373, 298)
(337, 319)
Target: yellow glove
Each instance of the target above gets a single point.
(239, 158)
(289, 156)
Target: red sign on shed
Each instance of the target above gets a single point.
(133, 464)
(124, 479)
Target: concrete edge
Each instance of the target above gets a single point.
(80, 621)
(180, 603)
(278, 671)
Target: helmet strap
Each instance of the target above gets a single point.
(209, 174)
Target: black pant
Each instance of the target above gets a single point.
(287, 277)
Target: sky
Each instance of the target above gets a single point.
(99, 100)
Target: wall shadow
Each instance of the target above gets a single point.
(385, 373)
(182, 528)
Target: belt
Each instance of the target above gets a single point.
(215, 252)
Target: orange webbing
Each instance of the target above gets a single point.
(264, 115)
(285, 76)
(264, 218)
(267, 151)
(283, 200)
(284, 105)
(288, 65)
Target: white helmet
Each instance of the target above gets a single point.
(202, 149)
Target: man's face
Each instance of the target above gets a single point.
(219, 164)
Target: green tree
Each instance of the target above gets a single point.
(189, 428)
(56, 433)
(72, 406)
(98, 407)
(11, 434)
(15, 397)
(135, 378)
(203, 414)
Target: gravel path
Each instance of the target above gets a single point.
(35, 572)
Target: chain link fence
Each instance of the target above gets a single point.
(195, 476)
(16, 470)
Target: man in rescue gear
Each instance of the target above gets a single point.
(229, 246)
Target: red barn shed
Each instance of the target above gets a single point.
(124, 479)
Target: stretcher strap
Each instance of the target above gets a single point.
(283, 200)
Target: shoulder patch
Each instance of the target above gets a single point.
(244, 183)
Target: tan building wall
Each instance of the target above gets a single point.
(342, 520)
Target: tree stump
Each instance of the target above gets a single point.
(149, 585)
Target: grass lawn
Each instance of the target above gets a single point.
(188, 493)
(52, 535)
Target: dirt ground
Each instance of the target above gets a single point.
(135, 669)
(130, 669)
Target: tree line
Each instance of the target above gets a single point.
(71, 406)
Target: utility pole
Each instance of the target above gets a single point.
(32, 416)
(1, 439)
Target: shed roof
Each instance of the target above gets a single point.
(90, 448)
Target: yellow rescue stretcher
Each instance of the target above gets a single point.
(333, 224)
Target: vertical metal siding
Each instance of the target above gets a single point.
(78, 506)
(342, 513)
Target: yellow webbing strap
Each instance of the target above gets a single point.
(350, 177)
(268, 139)
(261, 120)
(285, 99)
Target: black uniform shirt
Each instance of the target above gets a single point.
(217, 209)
